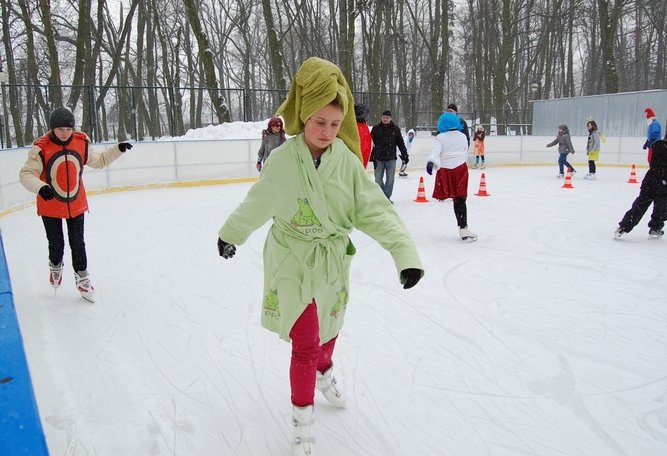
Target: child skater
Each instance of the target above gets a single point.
(592, 148)
(54, 170)
(564, 148)
(478, 139)
(653, 132)
(272, 137)
(653, 190)
(448, 157)
(409, 140)
(316, 191)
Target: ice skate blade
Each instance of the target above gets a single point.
(88, 297)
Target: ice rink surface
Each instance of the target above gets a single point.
(547, 337)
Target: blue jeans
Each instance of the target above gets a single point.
(562, 161)
(388, 166)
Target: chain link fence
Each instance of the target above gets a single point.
(148, 113)
(504, 122)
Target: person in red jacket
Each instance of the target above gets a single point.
(360, 112)
(54, 171)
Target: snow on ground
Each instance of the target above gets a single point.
(546, 337)
(227, 130)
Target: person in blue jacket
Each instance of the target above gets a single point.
(653, 132)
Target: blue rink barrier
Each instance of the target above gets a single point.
(21, 430)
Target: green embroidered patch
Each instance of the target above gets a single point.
(343, 297)
(305, 217)
(271, 305)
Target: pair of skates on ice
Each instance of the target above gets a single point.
(303, 441)
(652, 234)
(82, 281)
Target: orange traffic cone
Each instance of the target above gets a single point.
(482, 186)
(421, 192)
(633, 175)
(568, 179)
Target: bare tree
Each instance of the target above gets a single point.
(206, 55)
(610, 14)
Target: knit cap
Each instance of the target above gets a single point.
(61, 117)
(316, 84)
(448, 121)
(649, 113)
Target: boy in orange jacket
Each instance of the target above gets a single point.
(54, 171)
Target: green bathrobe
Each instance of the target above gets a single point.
(307, 253)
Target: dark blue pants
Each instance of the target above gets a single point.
(54, 234)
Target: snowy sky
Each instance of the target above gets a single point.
(547, 337)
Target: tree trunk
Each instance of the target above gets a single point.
(275, 48)
(55, 89)
(206, 55)
(608, 27)
(82, 52)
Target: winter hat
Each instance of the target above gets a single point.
(649, 113)
(360, 112)
(448, 121)
(480, 127)
(386, 113)
(61, 117)
(317, 83)
(453, 107)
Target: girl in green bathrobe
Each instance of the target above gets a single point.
(316, 191)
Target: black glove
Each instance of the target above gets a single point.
(124, 146)
(259, 166)
(405, 159)
(226, 250)
(46, 192)
(429, 168)
(410, 277)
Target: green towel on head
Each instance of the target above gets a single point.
(316, 84)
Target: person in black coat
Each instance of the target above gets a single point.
(386, 138)
(653, 190)
(451, 107)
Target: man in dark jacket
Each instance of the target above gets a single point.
(451, 107)
(386, 138)
(653, 190)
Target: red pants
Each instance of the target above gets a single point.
(307, 356)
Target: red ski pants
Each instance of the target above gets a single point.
(308, 356)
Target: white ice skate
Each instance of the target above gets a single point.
(55, 274)
(401, 172)
(84, 285)
(590, 176)
(467, 235)
(655, 234)
(619, 232)
(327, 385)
(303, 443)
